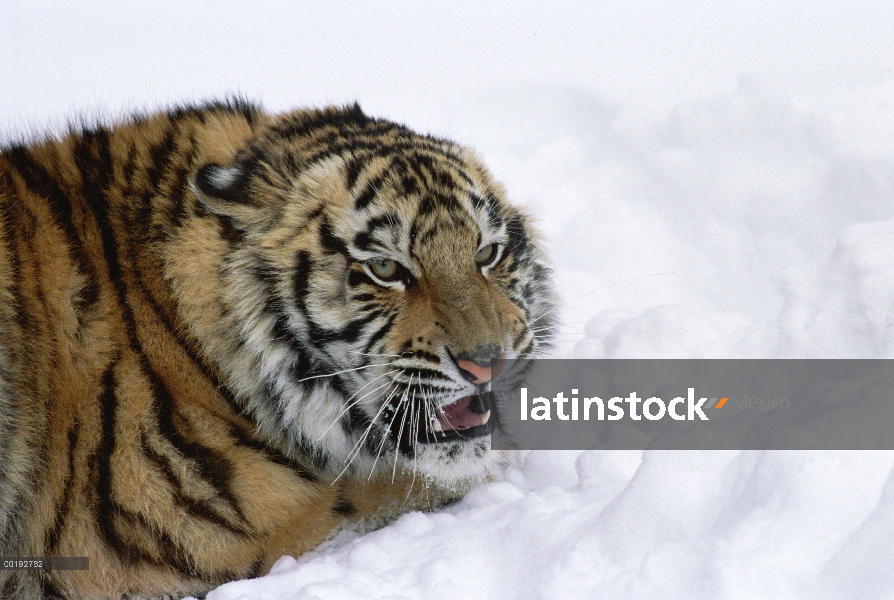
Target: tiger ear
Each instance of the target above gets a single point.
(222, 184)
(225, 192)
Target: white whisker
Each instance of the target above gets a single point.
(355, 451)
(340, 372)
(400, 434)
(373, 354)
(350, 404)
(385, 437)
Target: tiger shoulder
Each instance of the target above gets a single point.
(226, 334)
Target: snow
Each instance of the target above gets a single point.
(711, 180)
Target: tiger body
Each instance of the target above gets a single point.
(226, 334)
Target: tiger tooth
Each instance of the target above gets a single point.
(485, 418)
(436, 426)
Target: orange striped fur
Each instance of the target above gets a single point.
(224, 335)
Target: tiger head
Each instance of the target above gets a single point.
(370, 281)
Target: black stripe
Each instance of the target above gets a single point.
(429, 374)
(340, 118)
(171, 552)
(353, 168)
(312, 216)
(344, 508)
(65, 503)
(357, 419)
(348, 333)
(176, 195)
(433, 202)
(211, 465)
(194, 507)
(48, 588)
(368, 145)
(386, 220)
(283, 334)
(358, 277)
(351, 331)
(38, 181)
(15, 224)
(301, 277)
(329, 240)
(436, 171)
(478, 203)
(432, 358)
(174, 553)
(519, 337)
(380, 333)
(92, 156)
(101, 462)
(271, 454)
(255, 569)
(364, 240)
(232, 105)
(366, 197)
(517, 239)
(161, 155)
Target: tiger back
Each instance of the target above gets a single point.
(225, 334)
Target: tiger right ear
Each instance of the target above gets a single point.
(226, 191)
(228, 184)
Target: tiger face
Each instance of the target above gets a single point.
(394, 279)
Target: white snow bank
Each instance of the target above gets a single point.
(623, 525)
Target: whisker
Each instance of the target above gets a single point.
(385, 437)
(373, 354)
(414, 423)
(350, 404)
(343, 371)
(400, 434)
(355, 451)
(546, 328)
(428, 414)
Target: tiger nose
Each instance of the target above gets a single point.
(479, 373)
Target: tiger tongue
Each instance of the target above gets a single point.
(459, 416)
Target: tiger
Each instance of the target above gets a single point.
(227, 334)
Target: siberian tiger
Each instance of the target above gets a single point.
(226, 334)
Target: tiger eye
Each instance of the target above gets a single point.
(486, 254)
(384, 268)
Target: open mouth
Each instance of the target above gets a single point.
(468, 417)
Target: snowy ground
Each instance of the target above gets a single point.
(712, 180)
